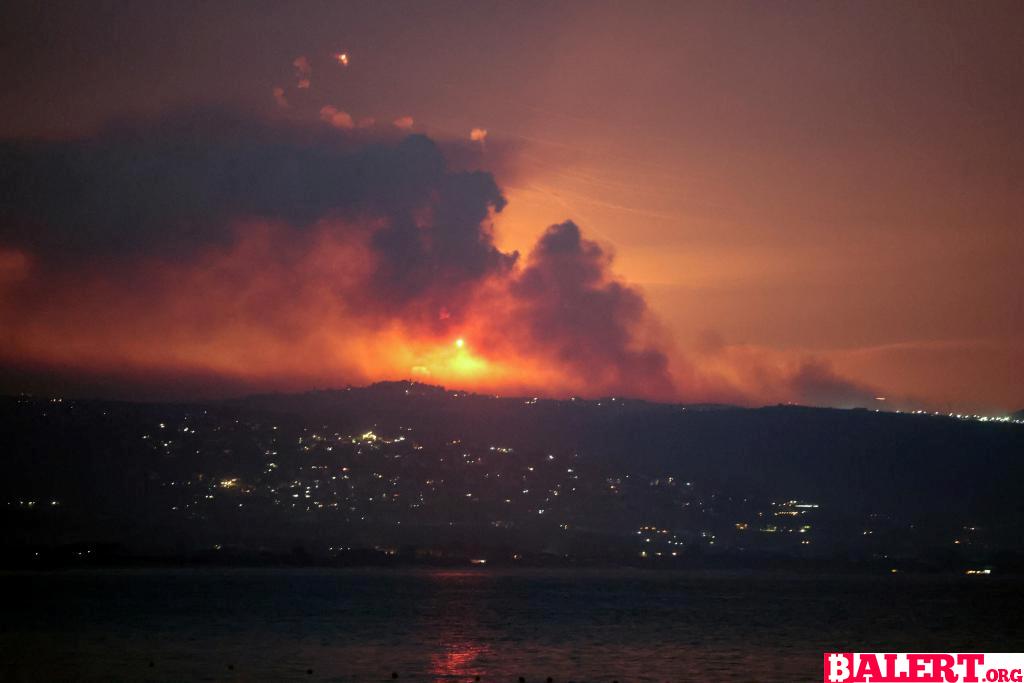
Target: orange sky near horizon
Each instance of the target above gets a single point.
(840, 183)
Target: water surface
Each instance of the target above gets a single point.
(278, 624)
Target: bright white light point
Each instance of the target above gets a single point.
(460, 342)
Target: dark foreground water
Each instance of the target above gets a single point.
(216, 624)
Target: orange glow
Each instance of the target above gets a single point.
(225, 321)
(228, 322)
(853, 199)
(14, 266)
(453, 364)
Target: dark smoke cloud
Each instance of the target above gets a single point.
(170, 186)
(212, 242)
(207, 239)
(193, 194)
(575, 310)
(816, 383)
(442, 260)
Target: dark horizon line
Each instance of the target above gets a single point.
(1013, 416)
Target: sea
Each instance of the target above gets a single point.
(215, 624)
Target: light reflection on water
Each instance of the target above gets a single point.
(355, 626)
(456, 655)
(458, 660)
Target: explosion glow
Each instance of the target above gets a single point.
(355, 279)
(381, 285)
(300, 233)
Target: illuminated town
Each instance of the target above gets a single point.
(237, 481)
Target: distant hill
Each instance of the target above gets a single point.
(403, 464)
(861, 457)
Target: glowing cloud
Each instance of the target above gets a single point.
(303, 71)
(403, 123)
(336, 117)
(275, 255)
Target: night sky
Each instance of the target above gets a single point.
(737, 202)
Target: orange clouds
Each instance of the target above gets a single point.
(337, 118)
(746, 374)
(303, 71)
(276, 312)
(280, 98)
(229, 313)
(273, 256)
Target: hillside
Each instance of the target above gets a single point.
(414, 470)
